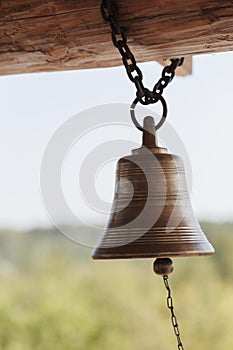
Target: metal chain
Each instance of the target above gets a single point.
(173, 316)
(145, 96)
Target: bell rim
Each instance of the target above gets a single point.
(144, 255)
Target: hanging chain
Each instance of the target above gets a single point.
(173, 316)
(145, 96)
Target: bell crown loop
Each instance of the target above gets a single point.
(149, 139)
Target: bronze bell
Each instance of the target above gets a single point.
(151, 213)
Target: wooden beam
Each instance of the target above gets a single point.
(185, 69)
(52, 35)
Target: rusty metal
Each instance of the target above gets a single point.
(152, 214)
(109, 13)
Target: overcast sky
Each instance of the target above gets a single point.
(33, 106)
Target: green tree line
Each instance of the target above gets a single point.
(53, 296)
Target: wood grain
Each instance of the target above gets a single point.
(52, 35)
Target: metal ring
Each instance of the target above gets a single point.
(157, 97)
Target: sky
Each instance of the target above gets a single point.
(34, 106)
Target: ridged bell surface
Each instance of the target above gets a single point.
(151, 214)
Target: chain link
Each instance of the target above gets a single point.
(145, 96)
(173, 316)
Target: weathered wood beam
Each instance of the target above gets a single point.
(185, 69)
(52, 35)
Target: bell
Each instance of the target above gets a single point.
(151, 214)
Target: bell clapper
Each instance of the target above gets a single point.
(163, 267)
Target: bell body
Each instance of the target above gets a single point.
(151, 213)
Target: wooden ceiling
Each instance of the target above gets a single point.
(53, 35)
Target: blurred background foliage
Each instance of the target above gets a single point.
(53, 296)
